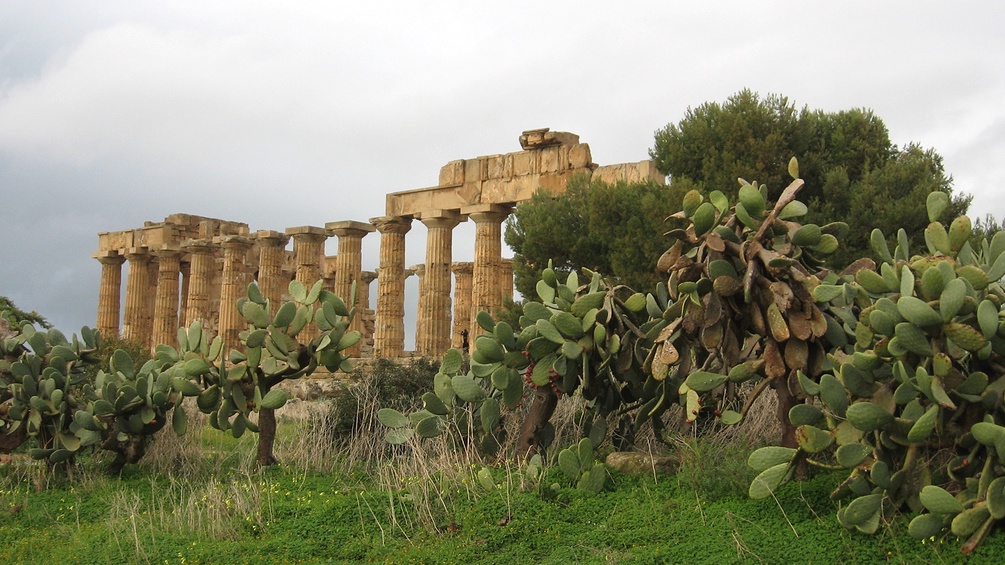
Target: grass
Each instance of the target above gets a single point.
(354, 499)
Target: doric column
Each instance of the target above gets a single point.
(389, 330)
(201, 270)
(348, 265)
(186, 278)
(505, 280)
(309, 252)
(110, 292)
(328, 270)
(420, 272)
(235, 253)
(271, 256)
(153, 273)
(137, 286)
(462, 305)
(485, 293)
(165, 325)
(436, 313)
(365, 278)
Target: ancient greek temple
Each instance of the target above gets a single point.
(190, 268)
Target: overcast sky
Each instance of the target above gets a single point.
(113, 113)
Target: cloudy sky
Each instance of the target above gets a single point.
(113, 113)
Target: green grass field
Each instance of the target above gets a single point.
(200, 500)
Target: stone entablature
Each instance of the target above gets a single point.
(184, 268)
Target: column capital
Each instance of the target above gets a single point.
(367, 276)
(392, 224)
(441, 218)
(419, 269)
(487, 212)
(137, 253)
(198, 245)
(310, 232)
(166, 250)
(462, 267)
(348, 228)
(234, 241)
(109, 257)
(272, 237)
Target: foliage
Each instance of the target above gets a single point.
(614, 229)
(914, 408)
(395, 385)
(852, 171)
(16, 315)
(48, 394)
(246, 382)
(737, 306)
(41, 387)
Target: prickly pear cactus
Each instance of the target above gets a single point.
(41, 375)
(587, 337)
(915, 411)
(236, 385)
(739, 302)
(128, 404)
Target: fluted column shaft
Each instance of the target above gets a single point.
(165, 325)
(134, 328)
(348, 266)
(462, 305)
(420, 322)
(271, 256)
(485, 293)
(389, 330)
(235, 252)
(309, 250)
(186, 279)
(505, 280)
(202, 266)
(110, 293)
(436, 314)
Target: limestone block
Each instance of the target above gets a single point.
(472, 170)
(579, 156)
(452, 173)
(549, 160)
(524, 163)
(496, 167)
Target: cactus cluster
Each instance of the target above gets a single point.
(41, 379)
(913, 405)
(46, 394)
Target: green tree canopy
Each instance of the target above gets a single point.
(853, 172)
(615, 229)
(18, 315)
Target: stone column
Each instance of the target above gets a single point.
(367, 315)
(485, 294)
(328, 270)
(235, 252)
(420, 272)
(271, 256)
(110, 292)
(506, 280)
(165, 325)
(462, 305)
(201, 271)
(186, 279)
(133, 327)
(389, 330)
(348, 266)
(309, 251)
(153, 273)
(436, 314)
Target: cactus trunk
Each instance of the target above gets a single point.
(541, 410)
(266, 437)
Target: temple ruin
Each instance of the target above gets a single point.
(190, 268)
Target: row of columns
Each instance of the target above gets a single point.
(164, 293)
